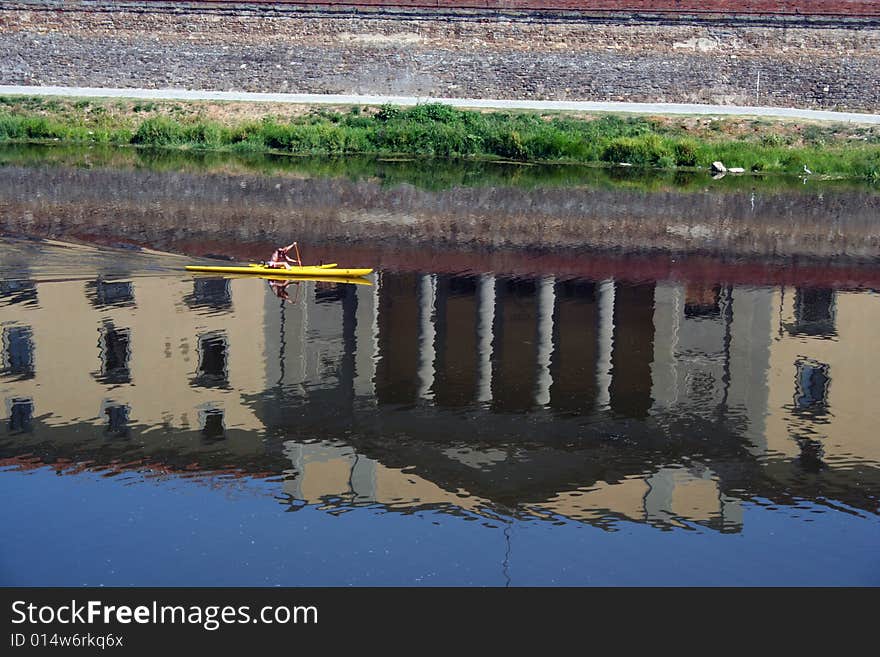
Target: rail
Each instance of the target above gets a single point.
(804, 8)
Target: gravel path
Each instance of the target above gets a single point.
(334, 99)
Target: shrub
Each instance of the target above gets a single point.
(143, 107)
(388, 112)
(159, 131)
(647, 150)
(11, 127)
(204, 134)
(507, 144)
(436, 112)
(868, 167)
(685, 154)
(246, 132)
(793, 162)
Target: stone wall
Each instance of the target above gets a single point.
(165, 209)
(810, 62)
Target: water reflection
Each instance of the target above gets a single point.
(18, 291)
(18, 352)
(211, 422)
(664, 402)
(117, 419)
(21, 412)
(813, 312)
(114, 348)
(811, 393)
(103, 293)
(210, 294)
(212, 369)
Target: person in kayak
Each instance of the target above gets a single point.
(280, 258)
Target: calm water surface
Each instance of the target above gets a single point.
(485, 420)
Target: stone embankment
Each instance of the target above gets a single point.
(166, 210)
(817, 62)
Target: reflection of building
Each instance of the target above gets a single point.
(823, 369)
(461, 392)
(18, 351)
(670, 496)
(20, 292)
(116, 354)
(710, 359)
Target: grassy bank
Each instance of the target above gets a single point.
(440, 131)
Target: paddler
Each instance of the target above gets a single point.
(280, 258)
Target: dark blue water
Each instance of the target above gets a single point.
(91, 530)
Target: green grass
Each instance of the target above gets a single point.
(424, 173)
(440, 131)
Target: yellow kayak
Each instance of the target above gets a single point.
(327, 266)
(308, 271)
(323, 278)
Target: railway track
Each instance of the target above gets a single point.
(779, 8)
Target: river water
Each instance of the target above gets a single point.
(586, 381)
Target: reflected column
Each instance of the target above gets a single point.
(367, 339)
(606, 344)
(751, 343)
(731, 514)
(293, 477)
(348, 363)
(485, 336)
(427, 334)
(546, 306)
(362, 479)
(308, 298)
(668, 314)
(633, 349)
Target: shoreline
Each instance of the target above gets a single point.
(758, 145)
